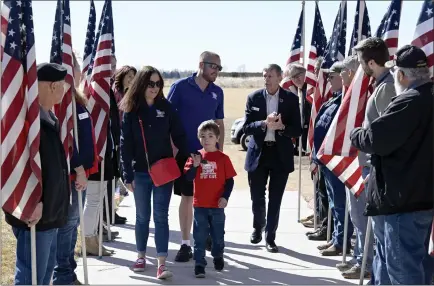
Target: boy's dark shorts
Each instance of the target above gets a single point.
(181, 186)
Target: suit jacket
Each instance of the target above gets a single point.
(256, 113)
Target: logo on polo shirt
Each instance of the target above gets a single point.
(214, 95)
(160, 113)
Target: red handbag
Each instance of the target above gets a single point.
(164, 170)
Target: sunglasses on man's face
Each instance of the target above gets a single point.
(214, 66)
(153, 84)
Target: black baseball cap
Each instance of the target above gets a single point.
(51, 72)
(408, 57)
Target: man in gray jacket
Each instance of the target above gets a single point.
(372, 54)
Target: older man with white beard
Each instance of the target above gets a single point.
(400, 187)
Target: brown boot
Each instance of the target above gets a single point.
(92, 247)
(310, 217)
(333, 251)
(325, 246)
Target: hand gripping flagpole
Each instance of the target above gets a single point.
(80, 199)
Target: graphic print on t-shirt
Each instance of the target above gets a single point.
(209, 170)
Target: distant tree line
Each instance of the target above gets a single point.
(180, 74)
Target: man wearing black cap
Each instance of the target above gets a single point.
(52, 211)
(400, 187)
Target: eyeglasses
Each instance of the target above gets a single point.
(214, 66)
(153, 84)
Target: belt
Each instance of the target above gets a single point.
(269, 143)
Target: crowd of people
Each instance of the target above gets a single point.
(183, 135)
(395, 144)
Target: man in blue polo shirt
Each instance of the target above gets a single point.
(197, 99)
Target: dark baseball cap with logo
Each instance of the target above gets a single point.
(408, 57)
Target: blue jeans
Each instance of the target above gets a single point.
(337, 201)
(402, 250)
(45, 256)
(360, 222)
(208, 221)
(161, 201)
(64, 272)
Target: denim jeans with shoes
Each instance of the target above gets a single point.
(208, 221)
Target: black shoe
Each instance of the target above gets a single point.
(208, 243)
(320, 235)
(219, 263)
(256, 237)
(184, 254)
(199, 271)
(119, 219)
(271, 247)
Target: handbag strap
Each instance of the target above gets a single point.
(144, 142)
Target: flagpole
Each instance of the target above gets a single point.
(1, 159)
(300, 94)
(80, 198)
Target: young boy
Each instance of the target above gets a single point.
(212, 173)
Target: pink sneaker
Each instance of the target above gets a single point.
(140, 264)
(163, 273)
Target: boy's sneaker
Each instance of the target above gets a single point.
(184, 254)
(140, 265)
(219, 263)
(163, 273)
(199, 271)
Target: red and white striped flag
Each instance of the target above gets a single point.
(88, 46)
(21, 184)
(389, 26)
(100, 73)
(297, 47)
(61, 53)
(336, 152)
(424, 34)
(317, 48)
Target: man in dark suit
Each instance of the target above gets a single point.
(272, 118)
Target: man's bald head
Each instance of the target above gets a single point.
(209, 66)
(208, 56)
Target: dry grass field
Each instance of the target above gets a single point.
(236, 91)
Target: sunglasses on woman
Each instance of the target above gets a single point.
(153, 84)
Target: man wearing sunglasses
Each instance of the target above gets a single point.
(197, 99)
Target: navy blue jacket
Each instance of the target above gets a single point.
(323, 121)
(256, 113)
(160, 123)
(85, 155)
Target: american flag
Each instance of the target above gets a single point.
(334, 52)
(296, 53)
(317, 48)
(297, 48)
(336, 151)
(424, 34)
(361, 19)
(21, 184)
(389, 26)
(61, 53)
(88, 46)
(100, 73)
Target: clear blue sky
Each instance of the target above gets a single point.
(171, 35)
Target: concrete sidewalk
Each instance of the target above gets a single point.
(298, 262)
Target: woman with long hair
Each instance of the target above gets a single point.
(83, 163)
(123, 78)
(150, 119)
